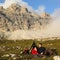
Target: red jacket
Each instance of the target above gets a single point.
(34, 51)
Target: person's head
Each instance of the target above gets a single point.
(40, 45)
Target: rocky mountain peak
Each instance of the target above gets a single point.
(1, 8)
(17, 7)
(17, 17)
(44, 15)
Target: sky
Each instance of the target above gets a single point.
(1, 1)
(48, 5)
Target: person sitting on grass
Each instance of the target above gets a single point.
(26, 51)
(34, 51)
(41, 49)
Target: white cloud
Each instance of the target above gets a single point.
(7, 3)
(1, 4)
(54, 28)
(56, 13)
(40, 9)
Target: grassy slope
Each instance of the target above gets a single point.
(22, 44)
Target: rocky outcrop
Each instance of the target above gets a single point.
(17, 17)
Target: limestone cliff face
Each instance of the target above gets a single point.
(17, 17)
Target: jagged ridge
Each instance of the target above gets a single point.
(17, 17)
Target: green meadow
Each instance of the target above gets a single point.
(8, 47)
